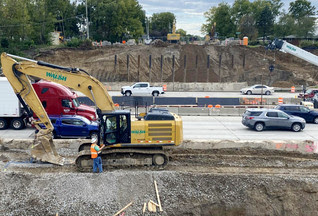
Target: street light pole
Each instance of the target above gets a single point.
(262, 86)
(87, 23)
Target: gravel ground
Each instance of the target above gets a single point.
(196, 182)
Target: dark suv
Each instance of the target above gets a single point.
(301, 111)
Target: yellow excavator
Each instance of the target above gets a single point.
(129, 140)
(173, 37)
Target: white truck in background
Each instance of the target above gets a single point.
(11, 112)
(142, 88)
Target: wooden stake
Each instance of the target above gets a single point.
(144, 209)
(150, 207)
(154, 203)
(158, 199)
(117, 213)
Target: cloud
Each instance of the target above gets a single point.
(190, 14)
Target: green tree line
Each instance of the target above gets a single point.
(261, 18)
(28, 23)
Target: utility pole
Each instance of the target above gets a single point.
(87, 23)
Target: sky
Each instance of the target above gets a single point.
(189, 13)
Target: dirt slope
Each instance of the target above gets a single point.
(227, 64)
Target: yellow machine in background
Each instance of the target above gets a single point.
(129, 140)
(173, 37)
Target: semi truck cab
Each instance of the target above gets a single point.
(60, 100)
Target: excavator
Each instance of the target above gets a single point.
(129, 140)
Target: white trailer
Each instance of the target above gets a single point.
(11, 112)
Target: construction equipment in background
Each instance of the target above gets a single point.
(129, 140)
(173, 37)
(294, 50)
(211, 36)
(147, 41)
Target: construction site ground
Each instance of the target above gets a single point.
(202, 178)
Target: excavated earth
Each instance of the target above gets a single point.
(233, 63)
(199, 180)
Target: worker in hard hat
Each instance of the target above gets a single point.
(97, 160)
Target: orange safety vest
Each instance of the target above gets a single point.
(94, 153)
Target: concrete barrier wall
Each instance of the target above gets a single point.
(190, 87)
(268, 101)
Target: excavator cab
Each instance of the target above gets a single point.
(115, 127)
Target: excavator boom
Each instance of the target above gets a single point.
(18, 74)
(129, 140)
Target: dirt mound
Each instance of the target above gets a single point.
(159, 43)
(166, 62)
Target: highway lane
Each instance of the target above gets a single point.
(216, 94)
(210, 128)
(231, 128)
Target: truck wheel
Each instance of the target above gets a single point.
(17, 124)
(3, 124)
(128, 93)
(155, 94)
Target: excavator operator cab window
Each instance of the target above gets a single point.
(116, 128)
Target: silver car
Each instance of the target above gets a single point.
(257, 89)
(260, 119)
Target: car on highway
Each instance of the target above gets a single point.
(301, 111)
(73, 126)
(310, 93)
(258, 89)
(260, 119)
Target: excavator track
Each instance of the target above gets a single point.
(124, 158)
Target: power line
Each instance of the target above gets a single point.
(40, 23)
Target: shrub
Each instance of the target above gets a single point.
(74, 42)
(4, 43)
(306, 43)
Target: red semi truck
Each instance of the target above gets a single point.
(55, 98)
(60, 100)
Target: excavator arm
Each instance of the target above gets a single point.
(18, 74)
(293, 50)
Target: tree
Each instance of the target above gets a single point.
(240, 9)
(301, 8)
(181, 32)
(161, 24)
(65, 14)
(285, 26)
(265, 22)
(303, 13)
(247, 27)
(115, 20)
(221, 15)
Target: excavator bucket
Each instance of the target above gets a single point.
(43, 148)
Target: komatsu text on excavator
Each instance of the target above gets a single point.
(129, 140)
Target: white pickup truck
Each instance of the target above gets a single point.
(142, 88)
